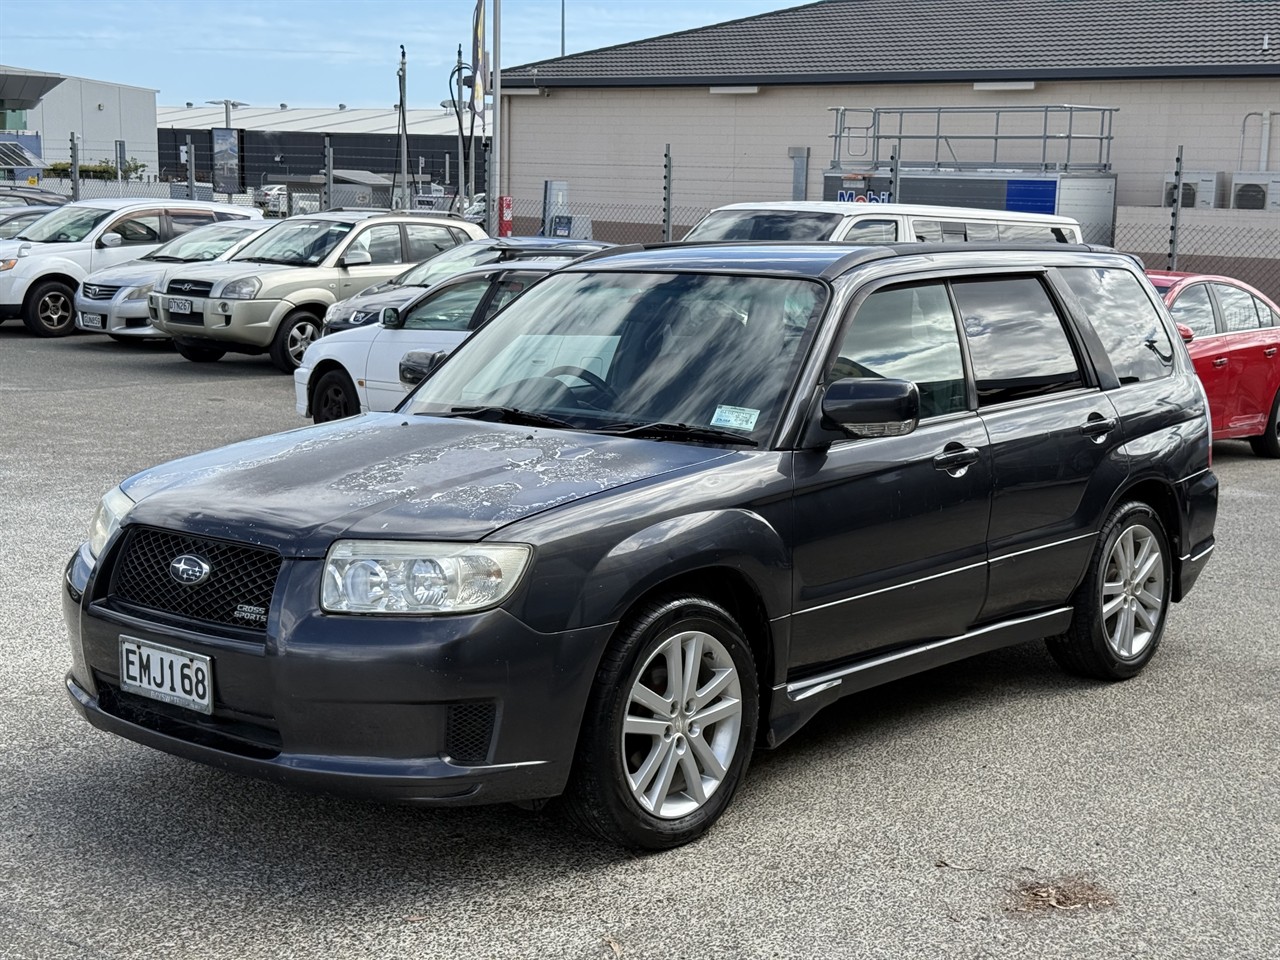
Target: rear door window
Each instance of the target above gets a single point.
(1238, 310)
(426, 240)
(1126, 321)
(1017, 339)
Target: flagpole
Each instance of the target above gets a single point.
(493, 200)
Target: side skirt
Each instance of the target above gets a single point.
(796, 702)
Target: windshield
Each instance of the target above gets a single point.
(296, 242)
(69, 224)
(447, 264)
(765, 225)
(203, 243)
(611, 351)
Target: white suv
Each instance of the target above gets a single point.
(41, 267)
(271, 295)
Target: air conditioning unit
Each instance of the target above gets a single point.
(1256, 191)
(1200, 188)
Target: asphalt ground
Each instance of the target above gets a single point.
(994, 808)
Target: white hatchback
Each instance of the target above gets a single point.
(359, 370)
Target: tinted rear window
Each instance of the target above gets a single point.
(1125, 320)
(766, 225)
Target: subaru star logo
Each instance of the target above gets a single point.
(188, 569)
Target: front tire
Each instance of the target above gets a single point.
(669, 727)
(199, 354)
(1268, 445)
(1122, 604)
(297, 332)
(50, 311)
(335, 398)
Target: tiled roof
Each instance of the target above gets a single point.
(878, 41)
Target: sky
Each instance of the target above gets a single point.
(319, 53)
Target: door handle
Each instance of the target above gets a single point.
(955, 459)
(1099, 426)
(1220, 362)
(1269, 352)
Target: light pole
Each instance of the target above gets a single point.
(227, 105)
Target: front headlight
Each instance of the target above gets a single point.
(115, 506)
(245, 288)
(332, 312)
(139, 293)
(398, 577)
(8, 264)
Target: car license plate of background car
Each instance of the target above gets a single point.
(179, 306)
(91, 321)
(163, 673)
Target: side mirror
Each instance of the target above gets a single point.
(416, 365)
(391, 318)
(862, 408)
(1186, 333)
(110, 240)
(356, 258)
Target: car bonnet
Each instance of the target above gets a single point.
(388, 476)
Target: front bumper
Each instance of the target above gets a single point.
(226, 323)
(448, 710)
(118, 317)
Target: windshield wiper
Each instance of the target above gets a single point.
(280, 260)
(166, 258)
(677, 431)
(528, 418)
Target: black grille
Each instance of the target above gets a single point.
(470, 731)
(189, 288)
(96, 291)
(237, 591)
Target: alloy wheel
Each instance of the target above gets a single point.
(1133, 592)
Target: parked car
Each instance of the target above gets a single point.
(1236, 352)
(273, 199)
(367, 305)
(114, 301)
(665, 506)
(878, 223)
(360, 369)
(270, 296)
(41, 266)
(14, 195)
(15, 219)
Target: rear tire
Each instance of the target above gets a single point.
(50, 310)
(1122, 604)
(297, 332)
(200, 354)
(1268, 445)
(669, 728)
(335, 398)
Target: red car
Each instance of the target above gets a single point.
(1235, 345)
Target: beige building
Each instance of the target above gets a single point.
(747, 107)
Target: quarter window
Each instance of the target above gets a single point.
(1017, 341)
(1238, 311)
(907, 333)
(1126, 321)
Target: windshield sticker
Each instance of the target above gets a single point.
(737, 418)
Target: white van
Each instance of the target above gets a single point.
(879, 223)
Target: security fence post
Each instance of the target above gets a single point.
(1177, 206)
(328, 173)
(191, 169)
(75, 167)
(666, 194)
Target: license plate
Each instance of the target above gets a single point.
(91, 321)
(179, 306)
(164, 673)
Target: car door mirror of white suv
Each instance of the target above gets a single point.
(110, 240)
(356, 258)
(862, 408)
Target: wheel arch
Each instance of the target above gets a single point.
(1160, 496)
(34, 284)
(328, 365)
